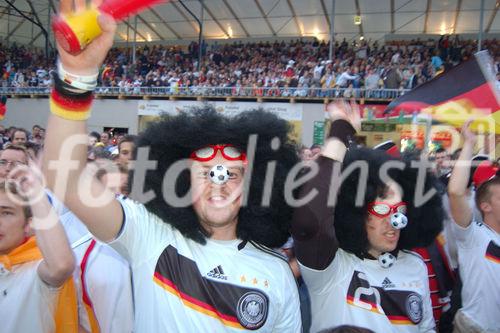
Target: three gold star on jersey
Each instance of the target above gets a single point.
(254, 281)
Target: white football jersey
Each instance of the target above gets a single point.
(352, 291)
(108, 286)
(479, 265)
(222, 286)
(107, 277)
(27, 304)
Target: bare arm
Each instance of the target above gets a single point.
(315, 241)
(105, 220)
(461, 211)
(58, 262)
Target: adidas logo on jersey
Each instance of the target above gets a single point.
(217, 273)
(387, 283)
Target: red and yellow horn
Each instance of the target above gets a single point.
(75, 31)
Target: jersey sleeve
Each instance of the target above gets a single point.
(48, 296)
(289, 319)
(141, 234)
(321, 281)
(466, 237)
(315, 242)
(313, 231)
(112, 297)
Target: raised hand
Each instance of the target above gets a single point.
(467, 133)
(347, 111)
(28, 181)
(91, 58)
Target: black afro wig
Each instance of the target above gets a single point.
(424, 222)
(173, 138)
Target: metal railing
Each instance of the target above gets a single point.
(236, 92)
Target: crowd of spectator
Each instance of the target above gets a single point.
(108, 149)
(296, 68)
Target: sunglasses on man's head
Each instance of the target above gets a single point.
(383, 209)
(229, 152)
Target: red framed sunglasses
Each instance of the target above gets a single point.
(383, 209)
(229, 152)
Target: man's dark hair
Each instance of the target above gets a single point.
(128, 138)
(110, 168)
(347, 329)
(101, 152)
(424, 222)
(36, 147)
(20, 148)
(95, 135)
(20, 130)
(440, 150)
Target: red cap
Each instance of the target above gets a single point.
(484, 172)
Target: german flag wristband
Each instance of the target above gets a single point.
(70, 108)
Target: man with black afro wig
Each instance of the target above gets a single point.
(172, 139)
(214, 205)
(352, 239)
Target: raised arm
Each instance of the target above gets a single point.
(312, 224)
(461, 212)
(70, 105)
(58, 261)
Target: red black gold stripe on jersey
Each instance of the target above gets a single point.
(401, 307)
(493, 252)
(180, 276)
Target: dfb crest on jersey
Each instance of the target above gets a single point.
(414, 307)
(252, 310)
(219, 174)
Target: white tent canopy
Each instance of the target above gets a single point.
(225, 19)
